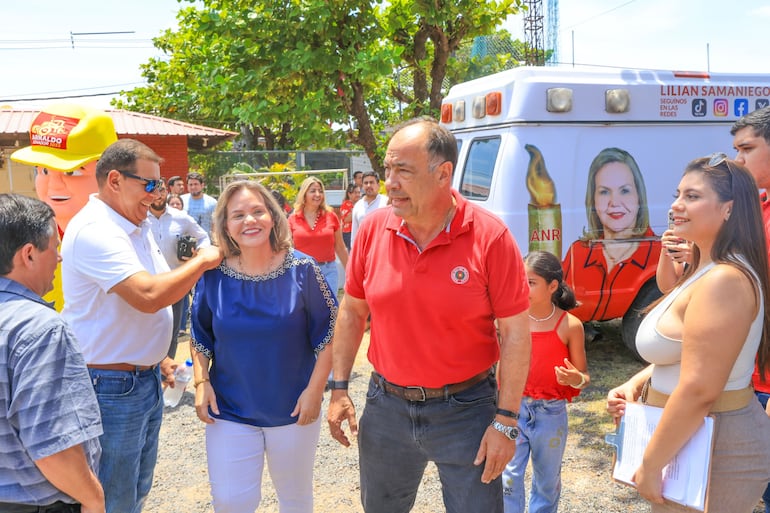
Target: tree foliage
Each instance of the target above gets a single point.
(288, 73)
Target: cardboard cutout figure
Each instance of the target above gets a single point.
(66, 141)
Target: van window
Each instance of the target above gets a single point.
(479, 166)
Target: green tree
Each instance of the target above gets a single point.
(287, 73)
(430, 32)
(485, 55)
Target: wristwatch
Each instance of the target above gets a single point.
(338, 385)
(511, 432)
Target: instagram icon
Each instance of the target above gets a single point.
(721, 107)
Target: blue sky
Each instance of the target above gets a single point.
(39, 61)
(666, 34)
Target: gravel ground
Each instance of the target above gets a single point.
(181, 480)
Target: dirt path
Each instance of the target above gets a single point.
(181, 480)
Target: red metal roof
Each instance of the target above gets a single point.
(15, 123)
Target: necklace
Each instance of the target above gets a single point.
(315, 219)
(553, 311)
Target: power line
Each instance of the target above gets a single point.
(82, 39)
(58, 97)
(598, 15)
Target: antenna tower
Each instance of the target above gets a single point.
(535, 31)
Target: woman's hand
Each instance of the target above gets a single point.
(617, 398)
(677, 249)
(308, 406)
(649, 483)
(569, 375)
(205, 398)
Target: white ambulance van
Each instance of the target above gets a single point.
(584, 163)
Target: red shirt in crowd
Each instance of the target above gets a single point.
(318, 242)
(432, 312)
(548, 351)
(758, 385)
(346, 209)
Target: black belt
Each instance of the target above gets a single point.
(420, 394)
(125, 367)
(56, 507)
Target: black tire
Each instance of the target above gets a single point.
(633, 318)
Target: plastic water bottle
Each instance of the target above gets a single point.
(182, 375)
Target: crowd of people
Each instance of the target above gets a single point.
(474, 349)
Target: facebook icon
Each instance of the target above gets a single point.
(741, 106)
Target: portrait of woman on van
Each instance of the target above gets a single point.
(618, 242)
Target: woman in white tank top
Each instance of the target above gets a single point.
(702, 339)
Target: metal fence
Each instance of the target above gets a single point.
(335, 181)
(222, 162)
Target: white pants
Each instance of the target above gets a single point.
(236, 457)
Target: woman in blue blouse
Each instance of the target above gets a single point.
(262, 324)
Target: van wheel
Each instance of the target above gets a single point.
(634, 315)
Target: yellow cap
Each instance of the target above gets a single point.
(65, 137)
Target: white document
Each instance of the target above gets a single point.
(685, 478)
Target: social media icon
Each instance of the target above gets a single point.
(741, 106)
(699, 107)
(761, 103)
(721, 107)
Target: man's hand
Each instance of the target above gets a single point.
(497, 450)
(211, 256)
(167, 368)
(341, 409)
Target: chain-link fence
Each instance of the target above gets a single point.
(281, 170)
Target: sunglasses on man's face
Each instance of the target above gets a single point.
(149, 185)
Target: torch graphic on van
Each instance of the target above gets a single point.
(543, 212)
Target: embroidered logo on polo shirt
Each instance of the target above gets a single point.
(460, 275)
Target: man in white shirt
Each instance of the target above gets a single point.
(118, 292)
(369, 202)
(200, 206)
(168, 226)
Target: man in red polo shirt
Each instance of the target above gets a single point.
(751, 139)
(435, 272)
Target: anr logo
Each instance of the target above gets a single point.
(699, 107)
(721, 107)
(460, 275)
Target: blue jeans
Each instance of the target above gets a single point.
(329, 271)
(763, 397)
(131, 407)
(397, 438)
(543, 426)
(346, 239)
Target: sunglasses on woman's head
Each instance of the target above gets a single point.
(716, 158)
